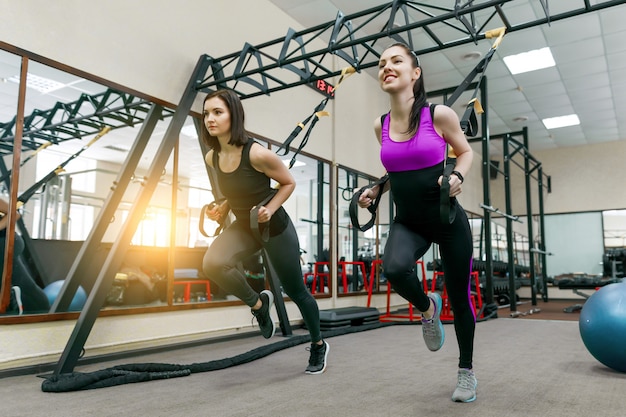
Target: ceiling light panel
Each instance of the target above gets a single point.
(530, 61)
(561, 121)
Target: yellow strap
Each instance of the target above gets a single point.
(103, 132)
(499, 33)
(42, 147)
(322, 113)
(345, 73)
(477, 106)
(451, 153)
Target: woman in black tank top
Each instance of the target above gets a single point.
(244, 171)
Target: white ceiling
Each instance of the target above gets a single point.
(589, 78)
(114, 145)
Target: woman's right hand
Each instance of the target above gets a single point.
(367, 198)
(215, 213)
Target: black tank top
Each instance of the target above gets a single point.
(246, 187)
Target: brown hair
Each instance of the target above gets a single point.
(419, 91)
(238, 133)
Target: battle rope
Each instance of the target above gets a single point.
(141, 372)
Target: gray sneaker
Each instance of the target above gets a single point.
(465, 391)
(432, 329)
(262, 315)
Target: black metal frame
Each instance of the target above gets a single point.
(260, 70)
(80, 118)
(531, 164)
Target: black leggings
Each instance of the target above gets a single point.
(236, 243)
(407, 244)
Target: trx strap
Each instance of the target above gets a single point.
(39, 149)
(26, 195)
(260, 230)
(446, 213)
(469, 122)
(203, 215)
(313, 118)
(354, 204)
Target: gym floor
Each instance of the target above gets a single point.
(536, 367)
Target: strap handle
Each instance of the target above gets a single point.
(447, 214)
(260, 230)
(203, 215)
(354, 204)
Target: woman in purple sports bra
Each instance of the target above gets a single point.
(414, 136)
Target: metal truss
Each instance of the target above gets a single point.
(305, 57)
(83, 117)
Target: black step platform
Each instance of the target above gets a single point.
(348, 316)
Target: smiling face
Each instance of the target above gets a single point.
(217, 117)
(397, 69)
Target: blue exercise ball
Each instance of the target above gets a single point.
(602, 325)
(78, 302)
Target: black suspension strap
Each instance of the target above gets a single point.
(446, 213)
(26, 195)
(260, 230)
(469, 122)
(318, 112)
(28, 158)
(354, 204)
(203, 216)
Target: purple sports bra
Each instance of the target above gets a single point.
(425, 149)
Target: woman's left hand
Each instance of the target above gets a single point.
(455, 185)
(265, 214)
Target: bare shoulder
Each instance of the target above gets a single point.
(445, 113)
(261, 157)
(446, 119)
(378, 128)
(208, 158)
(259, 151)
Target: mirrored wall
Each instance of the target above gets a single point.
(78, 136)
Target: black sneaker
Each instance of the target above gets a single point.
(317, 360)
(262, 315)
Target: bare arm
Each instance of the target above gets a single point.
(218, 212)
(267, 162)
(369, 194)
(448, 126)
